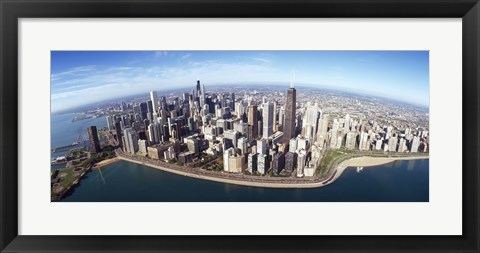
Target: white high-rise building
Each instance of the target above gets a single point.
(242, 145)
(392, 144)
(226, 155)
(303, 143)
(322, 127)
(142, 147)
(363, 141)
(301, 161)
(202, 95)
(154, 132)
(110, 123)
(153, 97)
(378, 144)
(131, 140)
(339, 141)
(402, 146)
(262, 164)
(350, 141)
(281, 115)
(267, 115)
(334, 134)
(389, 132)
(170, 153)
(293, 145)
(415, 144)
(347, 124)
(262, 146)
(310, 121)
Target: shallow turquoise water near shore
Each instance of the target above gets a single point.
(404, 181)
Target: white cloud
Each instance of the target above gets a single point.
(263, 60)
(96, 84)
(82, 70)
(185, 56)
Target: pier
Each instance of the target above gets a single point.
(67, 147)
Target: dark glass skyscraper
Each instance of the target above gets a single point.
(118, 130)
(289, 128)
(93, 136)
(143, 110)
(253, 121)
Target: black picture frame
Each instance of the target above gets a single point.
(11, 11)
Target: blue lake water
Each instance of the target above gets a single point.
(65, 132)
(128, 182)
(400, 181)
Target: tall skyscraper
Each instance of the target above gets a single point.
(143, 110)
(281, 116)
(290, 108)
(275, 116)
(201, 94)
(93, 136)
(153, 98)
(118, 130)
(322, 128)
(290, 161)
(415, 144)
(232, 101)
(363, 145)
(253, 120)
(110, 124)
(278, 163)
(310, 122)
(150, 106)
(334, 132)
(131, 140)
(350, 141)
(262, 146)
(301, 161)
(198, 88)
(226, 155)
(402, 146)
(263, 164)
(252, 163)
(267, 115)
(154, 133)
(392, 144)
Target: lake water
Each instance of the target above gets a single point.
(128, 182)
(400, 181)
(65, 132)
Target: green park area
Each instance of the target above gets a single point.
(63, 179)
(213, 163)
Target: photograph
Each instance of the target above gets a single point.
(239, 126)
(201, 126)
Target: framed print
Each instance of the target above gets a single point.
(254, 126)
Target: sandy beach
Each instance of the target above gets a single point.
(104, 163)
(364, 161)
(369, 161)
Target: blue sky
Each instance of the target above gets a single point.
(84, 77)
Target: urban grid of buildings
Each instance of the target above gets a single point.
(261, 133)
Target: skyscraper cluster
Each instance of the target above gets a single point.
(251, 136)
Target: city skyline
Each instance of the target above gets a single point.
(265, 138)
(81, 78)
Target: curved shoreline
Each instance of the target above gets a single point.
(104, 163)
(369, 161)
(363, 161)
